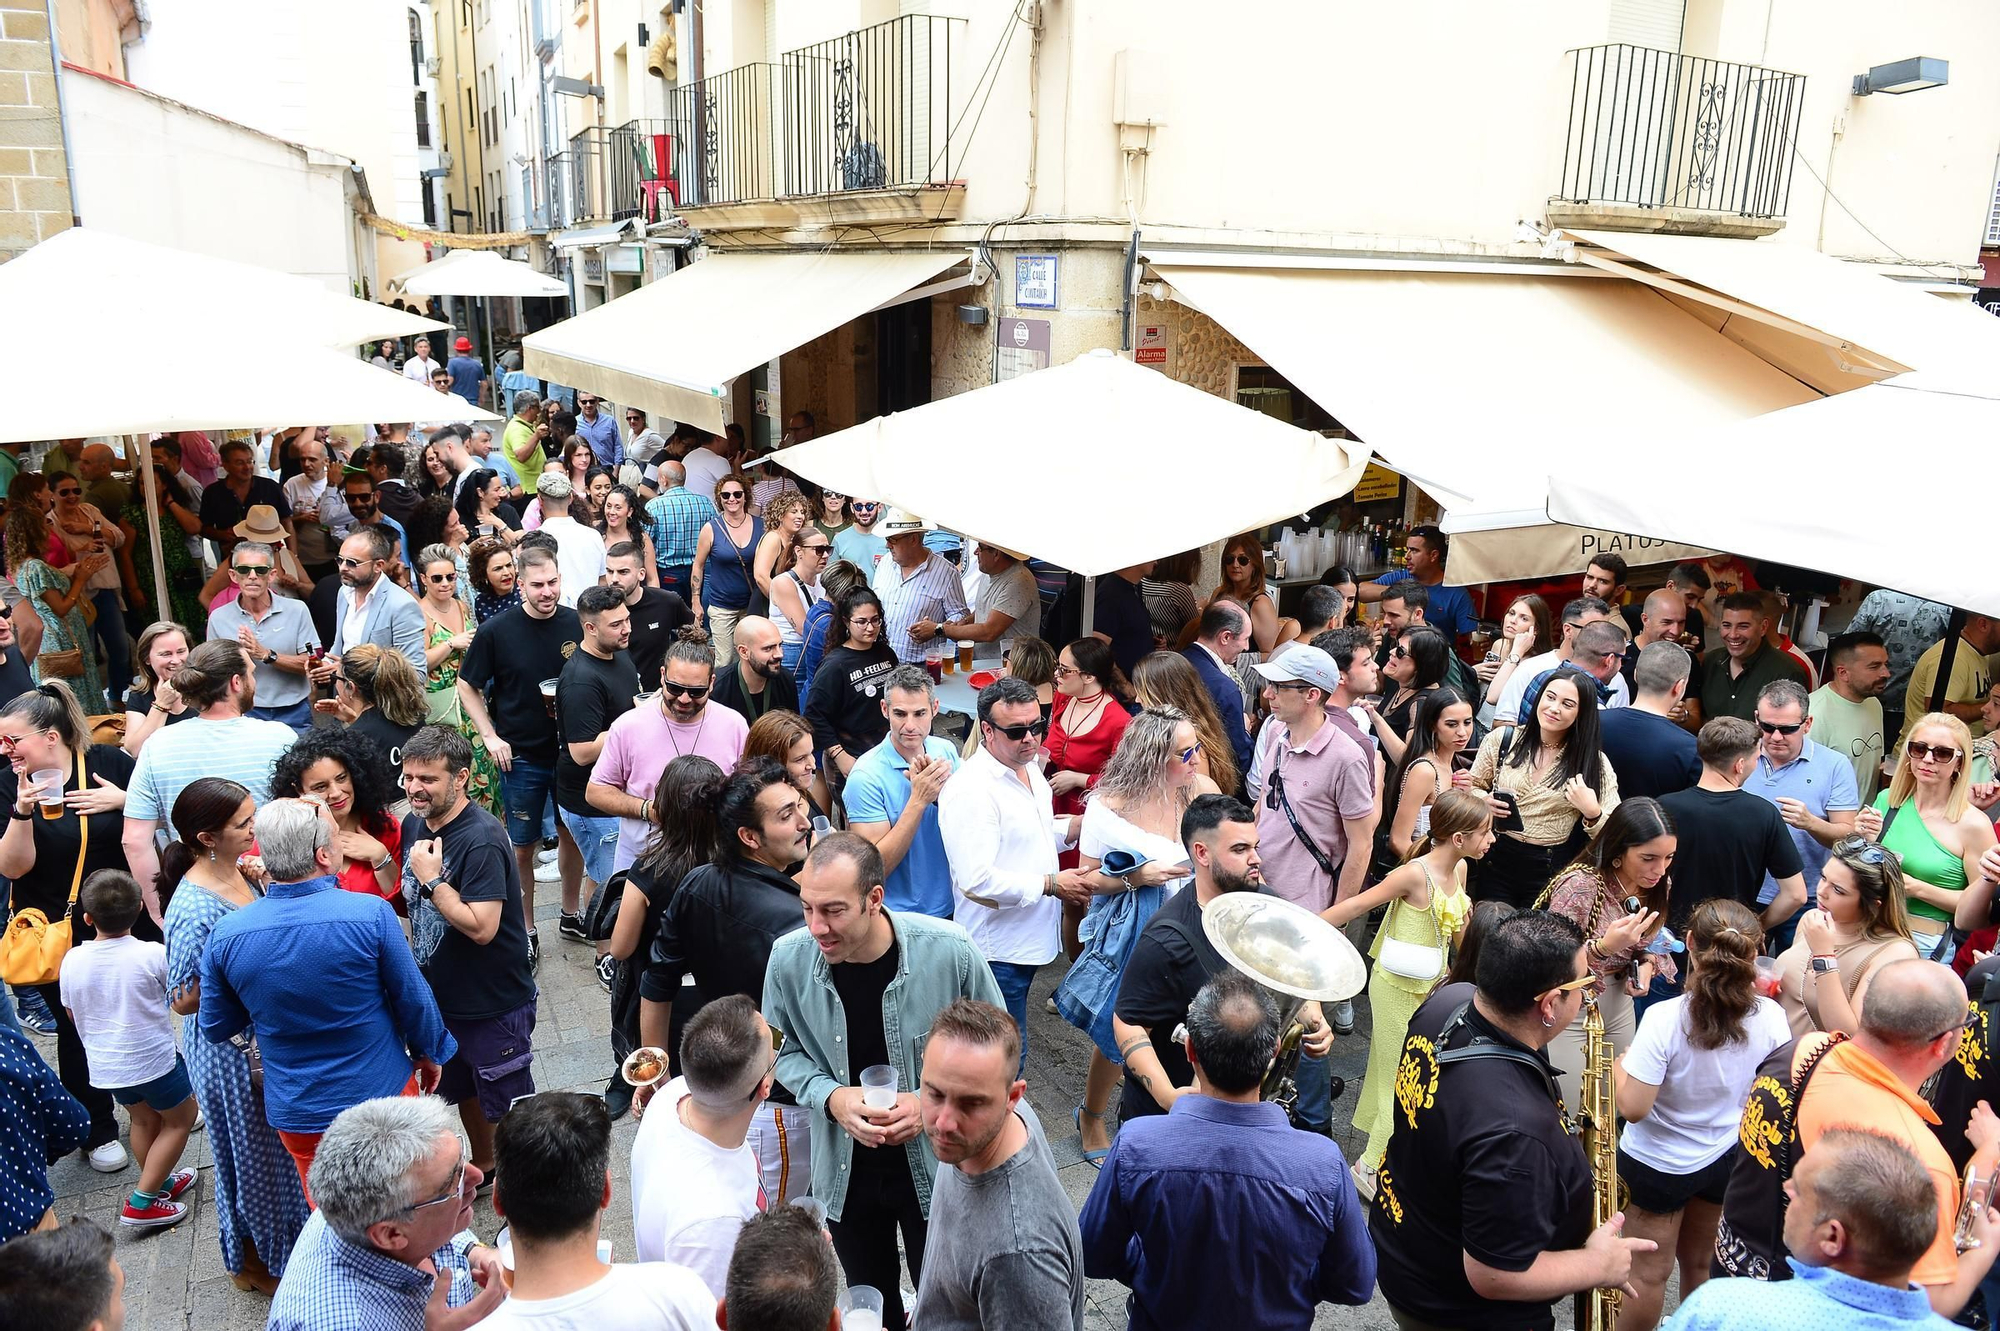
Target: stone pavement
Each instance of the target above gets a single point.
(175, 1279)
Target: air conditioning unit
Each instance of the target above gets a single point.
(431, 66)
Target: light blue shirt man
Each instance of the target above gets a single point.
(878, 791)
(1819, 779)
(1816, 1296)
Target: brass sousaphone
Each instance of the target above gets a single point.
(1295, 955)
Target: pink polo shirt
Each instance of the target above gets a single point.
(642, 742)
(1327, 779)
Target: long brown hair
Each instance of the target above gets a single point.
(1245, 543)
(1723, 939)
(1167, 679)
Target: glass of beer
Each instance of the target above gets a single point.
(965, 657)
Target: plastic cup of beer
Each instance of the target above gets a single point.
(878, 1086)
(861, 1309)
(549, 696)
(965, 657)
(950, 658)
(50, 780)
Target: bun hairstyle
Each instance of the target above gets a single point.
(1723, 939)
(205, 805)
(51, 706)
(691, 644)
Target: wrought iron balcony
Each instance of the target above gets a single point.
(720, 137)
(1660, 141)
(871, 109)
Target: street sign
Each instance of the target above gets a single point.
(1035, 281)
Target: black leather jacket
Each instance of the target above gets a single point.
(719, 927)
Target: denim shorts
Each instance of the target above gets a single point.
(494, 1062)
(597, 838)
(526, 788)
(169, 1090)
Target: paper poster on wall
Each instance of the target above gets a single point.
(1152, 345)
(1035, 281)
(764, 402)
(1023, 348)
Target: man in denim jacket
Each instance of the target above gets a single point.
(857, 988)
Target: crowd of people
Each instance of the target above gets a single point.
(308, 808)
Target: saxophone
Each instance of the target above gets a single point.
(1598, 1308)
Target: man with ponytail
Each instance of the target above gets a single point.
(219, 685)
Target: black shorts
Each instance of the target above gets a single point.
(1664, 1194)
(494, 1060)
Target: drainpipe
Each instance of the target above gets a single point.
(1131, 291)
(62, 108)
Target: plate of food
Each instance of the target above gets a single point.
(644, 1066)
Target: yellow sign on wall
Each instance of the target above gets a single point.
(1377, 482)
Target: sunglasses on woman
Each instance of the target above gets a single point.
(1862, 849)
(1937, 753)
(1239, 559)
(1187, 754)
(730, 494)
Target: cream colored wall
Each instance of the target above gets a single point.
(92, 34)
(1917, 169)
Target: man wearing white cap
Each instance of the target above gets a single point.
(579, 549)
(918, 587)
(1009, 597)
(1316, 821)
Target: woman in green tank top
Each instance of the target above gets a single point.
(1935, 829)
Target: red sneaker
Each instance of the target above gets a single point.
(160, 1215)
(179, 1182)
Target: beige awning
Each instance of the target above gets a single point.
(1479, 386)
(1835, 324)
(673, 346)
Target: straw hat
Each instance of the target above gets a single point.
(261, 524)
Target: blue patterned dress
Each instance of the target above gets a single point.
(256, 1194)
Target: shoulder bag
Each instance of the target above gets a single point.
(32, 950)
(1413, 961)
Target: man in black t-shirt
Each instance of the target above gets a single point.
(595, 688)
(513, 656)
(656, 615)
(1728, 839)
(467, 924)
(1647, 748)
(756, 682)
(1173, 959)
(1481, 1214)
(872, 1165)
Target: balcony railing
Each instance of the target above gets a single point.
(870, 109)
(1653, 129)
(721, 137)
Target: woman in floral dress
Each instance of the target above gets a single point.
(448, 628)
(259, 1206)
(58, 603)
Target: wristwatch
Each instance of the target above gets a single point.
(1823, 965)
(270, 656)
(428, 887)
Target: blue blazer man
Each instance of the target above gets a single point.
(1227, 695)
(392, 620)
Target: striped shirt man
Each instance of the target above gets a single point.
(242, 749)
(932, 591)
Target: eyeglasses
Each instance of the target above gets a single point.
(818, 548)
(1399, 651)
(1963, 1022)
(686, 690)
(1020, 732)
(68, 494)
(777, 1040)
(1065, 671)
(1292, 685)
(342, 679)
(868, 504)
(9, 743)
(1937, 753)
(1861, 848)
(1772, 728)
(832, 494)
(872, 622)
(1238, 559)
(440, 578)
(1583, 981)
(251, 570)
(345, 562)
(456, 1191)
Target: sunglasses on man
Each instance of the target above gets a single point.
(687, 690)
(1018, 733)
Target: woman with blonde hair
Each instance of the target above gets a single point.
(1427, 909)
(1033, 661)
(1927, 819)
(1167, 679)
(1243, 583)
(380, 694)
(1680, 1089)
(1859, 924)
(1134, 814)
(787, 739)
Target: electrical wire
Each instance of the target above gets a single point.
(1951, 269)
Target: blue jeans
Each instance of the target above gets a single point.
(678, 579)
(597, 838)
(526, 789)
(1014, 980)
(299, 716)
(117, 651)
(1315, 1080)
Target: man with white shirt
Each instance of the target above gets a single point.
(312, 515)
(1579, 612)
(552, 1183)
(455, 408)
(579, 549)
(420, 366)
(1002, 837)
(707, 464)
(694, 1180)
(920, 589)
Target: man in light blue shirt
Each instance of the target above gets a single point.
(1812, 785)
(892, 796)
(1863, 1211)
(276, 631)
(599, 431)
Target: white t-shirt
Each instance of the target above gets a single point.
(689, 1196)
(116, 988)
(420, 368)
(579, 556)
(704, 469)
(642, 1296)
(1012, 593)
(1700, 1105)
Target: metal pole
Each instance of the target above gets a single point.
(163, 607)
(1089, 621)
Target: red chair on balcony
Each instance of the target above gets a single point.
(662, 179)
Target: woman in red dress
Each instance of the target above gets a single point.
(1084, 729)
